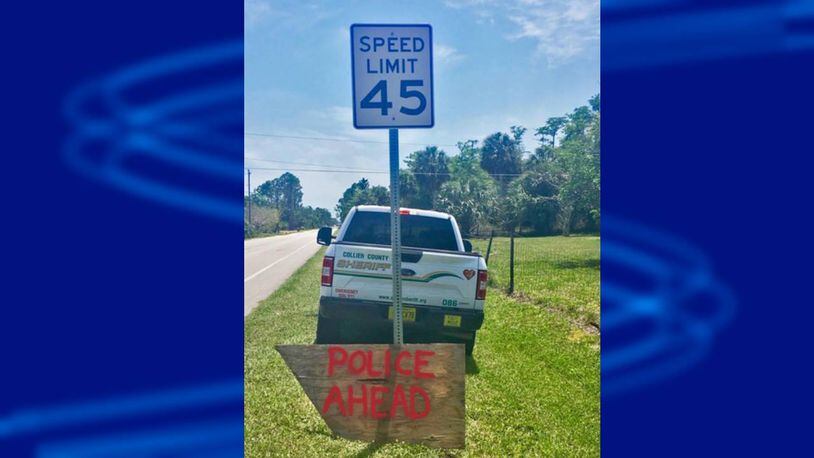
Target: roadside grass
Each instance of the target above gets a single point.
(532, 383)
(260, 235)
(558, 273)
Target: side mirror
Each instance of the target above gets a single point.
(467, 246)
(324, 236)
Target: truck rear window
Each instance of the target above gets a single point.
(416, 231)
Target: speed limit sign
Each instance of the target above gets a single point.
(392, 76)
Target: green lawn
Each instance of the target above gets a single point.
(532, 384)
(558, 273)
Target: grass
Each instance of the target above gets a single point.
(558, 273)
(532, 384)
(259, 235)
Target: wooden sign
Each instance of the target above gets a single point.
(412, 393)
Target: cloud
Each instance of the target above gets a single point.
(468, 3)
(482, 9)
(291, 14)
(446, 54)
(255, 11)
(562, 29)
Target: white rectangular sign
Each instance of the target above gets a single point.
(392, 76)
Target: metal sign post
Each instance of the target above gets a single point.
(391, 68)
(395, 237)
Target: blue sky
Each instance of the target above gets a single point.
(498, 63)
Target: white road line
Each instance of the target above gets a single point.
(275, 262)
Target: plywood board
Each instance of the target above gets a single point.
(413, 393)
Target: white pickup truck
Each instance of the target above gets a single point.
(443, 281)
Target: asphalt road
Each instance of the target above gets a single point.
(269, 261)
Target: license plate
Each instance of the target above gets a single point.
(407, 313)
(452, 321)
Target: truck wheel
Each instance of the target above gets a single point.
(327, 331)
(470, 344)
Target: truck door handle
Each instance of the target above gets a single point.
(412, 256)
(407, 272)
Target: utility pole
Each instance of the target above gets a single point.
(249, 192)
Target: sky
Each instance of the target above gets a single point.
(497, 63)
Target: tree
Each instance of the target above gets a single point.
(550, 129)
(292, 199)
(502, 156)
(265, 220)
(470, 193)
(517, 133)
(315, 217)
(578, 168)
(578, 122)
(268, 194)
(534, 199)
(283, 193)
(376, 195)
(470, 199)
(594, 103)
(557, 188)
(467, 162)
(346, 202)
(548, 138)
(361, 193)
(408, 189)
(323, 217)
(430, 168)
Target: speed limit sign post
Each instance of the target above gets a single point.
(392, 89)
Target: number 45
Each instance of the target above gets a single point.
(381, 89)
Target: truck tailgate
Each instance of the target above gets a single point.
(443, 279)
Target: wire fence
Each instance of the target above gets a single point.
(560, 273)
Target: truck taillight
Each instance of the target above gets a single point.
(327, 271)
(481, 292)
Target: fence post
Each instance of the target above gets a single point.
(489, 248)
(511, 264)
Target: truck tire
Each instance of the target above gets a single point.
(327, 331)
(470, 344)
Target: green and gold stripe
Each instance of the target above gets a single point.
(422, 279)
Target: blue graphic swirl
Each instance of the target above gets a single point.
(187, 421)
(641, 34)
(169, 129)
(661, 305)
